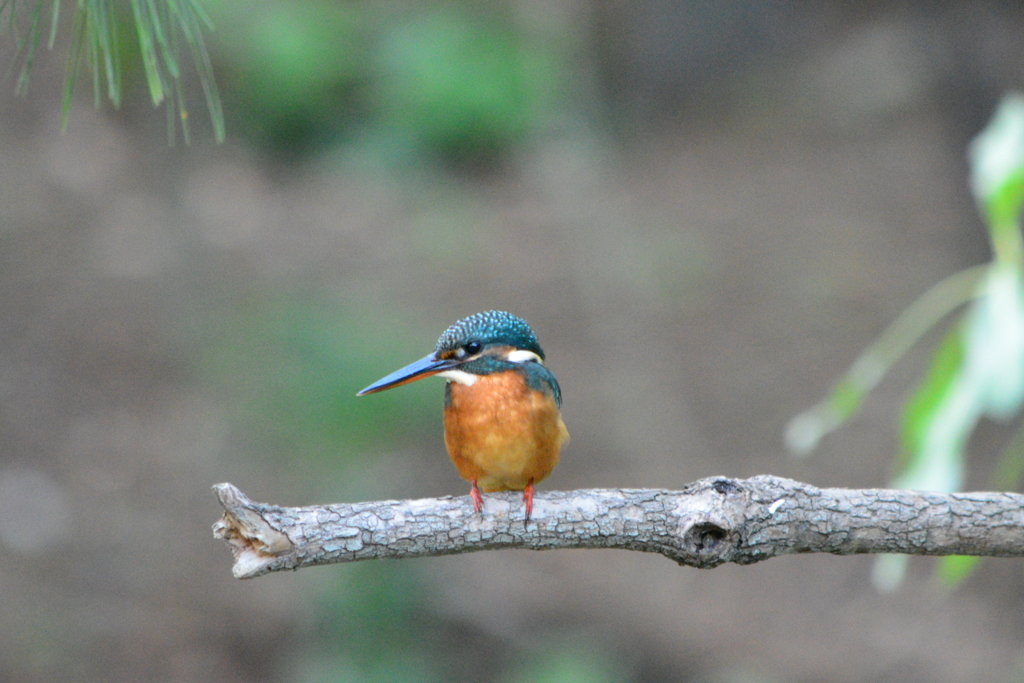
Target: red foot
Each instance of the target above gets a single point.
(478, 500)
(528, 499)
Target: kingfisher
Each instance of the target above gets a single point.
(502, 425)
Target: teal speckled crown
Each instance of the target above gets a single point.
(490, 328)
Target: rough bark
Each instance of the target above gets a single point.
(708, 523)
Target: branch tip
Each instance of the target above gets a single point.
(254, 542)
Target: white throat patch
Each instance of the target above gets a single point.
(460, 376)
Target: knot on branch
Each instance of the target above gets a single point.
(705, 538)
(709, 523)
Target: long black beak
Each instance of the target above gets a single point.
(424, 367)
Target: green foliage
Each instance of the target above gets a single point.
(162, 29)
(449, 81)
(454, 84)
(978, 370)
(457, 82)
(291, 70)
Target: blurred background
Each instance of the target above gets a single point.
(704, 209)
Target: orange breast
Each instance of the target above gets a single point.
(501, 433)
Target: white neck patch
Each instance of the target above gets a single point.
(523, 356)
(460, 376)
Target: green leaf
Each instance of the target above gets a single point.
(147, 47)
(995, 343)
(997, 177)
(921, 406)
(192, 19)
(936, 421)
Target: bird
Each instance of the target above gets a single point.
(503, 427)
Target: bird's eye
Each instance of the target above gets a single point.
(473, 348)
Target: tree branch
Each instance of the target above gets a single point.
(708, 523)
